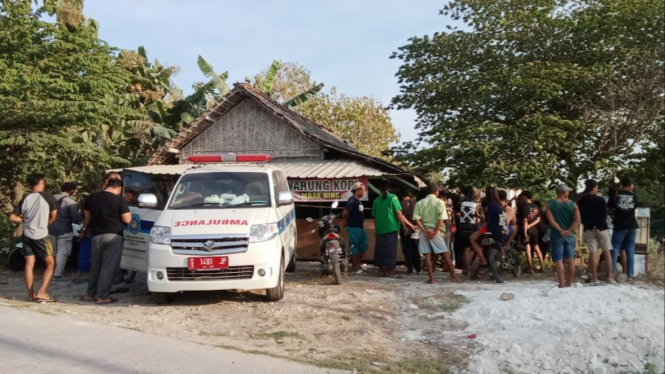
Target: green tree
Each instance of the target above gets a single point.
(534, 91)
(362, 121)
(60, 89)
(647, 168)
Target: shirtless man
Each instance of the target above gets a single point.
(511, 217)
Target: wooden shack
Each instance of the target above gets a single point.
(319, 165)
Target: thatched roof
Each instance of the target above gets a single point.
(302, 125)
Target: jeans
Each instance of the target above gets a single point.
(624, 239)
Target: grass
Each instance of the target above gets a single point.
(363, 363)
(213, 334)
(278, 335)
(649, 368)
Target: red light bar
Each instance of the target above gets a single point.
(253, 158)
(229, 158)
(205, 158)
(332, 236)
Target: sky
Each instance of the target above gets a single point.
(344, 43)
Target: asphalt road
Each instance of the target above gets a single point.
(32, 342)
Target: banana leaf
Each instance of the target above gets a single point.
(269, 80)
(142, 52)
(303, 97)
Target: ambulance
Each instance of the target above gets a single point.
(227, 223)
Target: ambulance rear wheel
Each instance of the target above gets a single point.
(163, 298)
(277, 293)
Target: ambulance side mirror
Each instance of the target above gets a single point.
(284, 198)
(147, 200)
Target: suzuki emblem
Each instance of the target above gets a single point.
(209, 245)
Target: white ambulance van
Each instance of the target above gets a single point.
(222, 226)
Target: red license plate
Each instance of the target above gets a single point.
(206, 263)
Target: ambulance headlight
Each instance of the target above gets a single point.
(262, 233)
(160, 235)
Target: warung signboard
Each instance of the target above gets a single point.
(324, 189)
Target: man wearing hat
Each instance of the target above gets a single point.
(564, 217)
(597, 234)
(355, 218)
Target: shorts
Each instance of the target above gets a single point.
(40, 247)
(531, 239)
(603, 240)
(463, 242)
(436, 245)
(357, 240)
(562, 248)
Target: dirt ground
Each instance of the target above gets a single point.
(368, 323)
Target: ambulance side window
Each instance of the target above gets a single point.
(280, 182)
(137, 184)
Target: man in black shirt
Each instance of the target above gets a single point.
(623, 204)
(597, 234)
(106, 212)
(355, 220)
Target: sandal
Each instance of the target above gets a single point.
(112, 300)
(42, 300)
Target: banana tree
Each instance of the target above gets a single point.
(266, 84)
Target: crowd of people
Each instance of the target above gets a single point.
(447, 226)
(441, 226)
(48, 232)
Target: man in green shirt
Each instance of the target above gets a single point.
(387, 213)
(430, 213)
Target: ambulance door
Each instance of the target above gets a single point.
(144, 214)
(287, 214)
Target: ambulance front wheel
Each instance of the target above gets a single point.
(277, 293)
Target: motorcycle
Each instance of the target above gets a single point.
(511, 261)
(16, 259)
(492, 252)
(332, 247)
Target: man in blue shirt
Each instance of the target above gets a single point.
(355, 219)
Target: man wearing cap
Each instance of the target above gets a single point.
(564, 216)
(597, 235)
(355, 218)
(624, 202)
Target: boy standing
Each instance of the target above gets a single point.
(36, 212)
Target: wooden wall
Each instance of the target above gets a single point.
(248, 128)
(308, 242)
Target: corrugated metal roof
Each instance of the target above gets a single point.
(292, 169)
